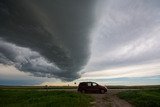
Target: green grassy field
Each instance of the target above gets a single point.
(75, 87)
(37, 87)
(135, 87)
(142, 98)
(27, 98)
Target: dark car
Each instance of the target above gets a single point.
(91, 87)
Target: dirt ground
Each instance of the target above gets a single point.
(109, 99)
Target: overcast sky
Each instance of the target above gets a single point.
(57, 42)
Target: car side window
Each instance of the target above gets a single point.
(94, 84)
(82, 84)
(89, 84)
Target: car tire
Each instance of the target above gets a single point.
(102, 91)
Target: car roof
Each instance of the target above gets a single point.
(87, 82)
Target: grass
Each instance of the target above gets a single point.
(36, 87)
(75, 87)
(135, 87)
(27, 98)
(142, 98)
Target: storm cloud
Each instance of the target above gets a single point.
(127, 33)
(47, 38)
(68, 39)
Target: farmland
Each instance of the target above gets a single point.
(33, 98)
(142, 98)
(67, 96)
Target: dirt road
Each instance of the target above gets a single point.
(109, 99)
(105, 100)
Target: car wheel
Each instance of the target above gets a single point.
(83, 91)
(102, 91)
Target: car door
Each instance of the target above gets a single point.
(95, 87)
(89, 87)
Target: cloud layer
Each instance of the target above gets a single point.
(126, 33)
(38, 35)
(58, 38)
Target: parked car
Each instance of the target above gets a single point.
(91, 87)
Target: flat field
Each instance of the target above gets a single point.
(142, 98)
(67, 96)
(33, 98)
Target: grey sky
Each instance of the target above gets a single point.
(69, 39)
(46, 34)
(126, 33)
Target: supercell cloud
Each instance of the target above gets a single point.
(44, 37)
(63, 38)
